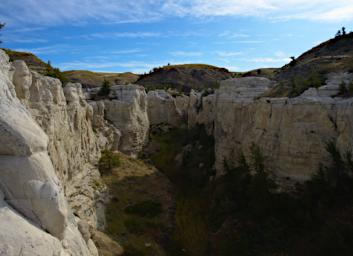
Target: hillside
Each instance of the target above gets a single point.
(32, 61)
(331, 56)
(185, 77)
(311, 69)
(261, 72)
(95, 79)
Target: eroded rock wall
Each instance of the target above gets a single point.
(34, 214)
(291, 133)
(126, 110)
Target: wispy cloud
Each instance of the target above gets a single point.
(227, 54)
(51, 12)
(268, 60)
(186, 54)
(233, 35)
(51, 49)
(111, 35)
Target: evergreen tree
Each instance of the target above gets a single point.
(105, 89)
(343, 31)
(2, 25)
(342, 88)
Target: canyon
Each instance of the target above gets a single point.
(52, 196)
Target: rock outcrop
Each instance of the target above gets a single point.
(74, 147)
(291, 132)
(126, 109)
(32, 197)
(163, 108)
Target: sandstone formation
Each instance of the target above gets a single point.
(291, 132)
(162, 108)
(74, 147)
(126, 109)
(32, 197)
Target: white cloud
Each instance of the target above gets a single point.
(51, 12)
(111, 35)
(227, 54)
(126, 52)
(269, 60)
(186, 54)
(52, 49)
(233, 35)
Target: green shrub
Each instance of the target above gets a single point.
(299, 84)
(55, 73)
(147, 208)
(350, 88)
(108, 161)
(137, 225)
(343, 88)
(105, 89)
(2, 25)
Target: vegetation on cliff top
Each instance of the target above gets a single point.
(2, 25)
(95, 79)
(184, 77)
(312, 67)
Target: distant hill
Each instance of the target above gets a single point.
(312, 68)
(95, 79)
(185, 77)
(331, 56)
(86, 78)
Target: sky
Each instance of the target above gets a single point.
(120, 35)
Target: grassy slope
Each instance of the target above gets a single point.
(95, 79)
(31, 60)
(131, 184)
(191, 152)
(334, 55)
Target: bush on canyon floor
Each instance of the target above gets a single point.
(146, 208)
(108, 161)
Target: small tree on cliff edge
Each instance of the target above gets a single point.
(105, 89)
(2, 25)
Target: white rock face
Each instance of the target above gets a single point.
(247, 88)
(19, 237)
(34, 165)
(73, 145)
(291, 133)
(163, 109)
(127, 111)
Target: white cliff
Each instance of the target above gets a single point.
(127, 111)
(31, 194)
(291, 132)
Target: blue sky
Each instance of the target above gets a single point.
(117, 36)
